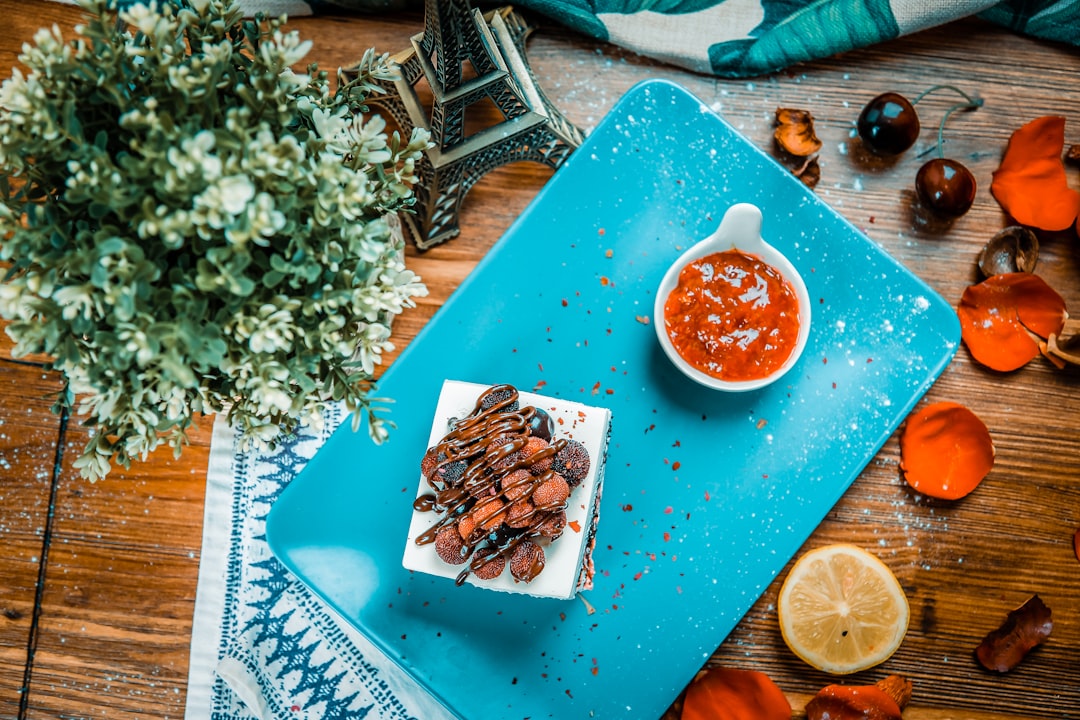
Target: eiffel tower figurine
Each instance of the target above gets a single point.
(530, 129)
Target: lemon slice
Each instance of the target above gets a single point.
(842, 610)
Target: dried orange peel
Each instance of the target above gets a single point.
(945, 451)
(999, 315)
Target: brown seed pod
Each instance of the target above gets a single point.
(1025, 628)
(1064, 347)
(1014, 249)
(795, 132)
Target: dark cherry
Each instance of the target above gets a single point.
(541, 425)
(946, 187)
(888, 124)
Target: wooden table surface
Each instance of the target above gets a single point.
(99, 579)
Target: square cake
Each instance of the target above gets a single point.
(509, 491)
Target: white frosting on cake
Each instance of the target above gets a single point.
(565, 557)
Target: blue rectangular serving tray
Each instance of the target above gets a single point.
(707, 494)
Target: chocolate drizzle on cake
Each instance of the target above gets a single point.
(496, 484)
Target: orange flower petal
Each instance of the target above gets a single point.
(996, 315)
(1031, 184)
(730, 694)
(945, 451)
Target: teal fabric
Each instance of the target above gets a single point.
(1059, 21)
(816, 30)
(745, 38)
(789, 31)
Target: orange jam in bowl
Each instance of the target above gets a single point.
(732, 316)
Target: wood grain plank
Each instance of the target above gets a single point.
(115, 629)
(29, 434)
(123, 560)
(115, 624)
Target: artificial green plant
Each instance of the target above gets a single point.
(189, 226)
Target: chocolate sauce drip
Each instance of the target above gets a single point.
(490, 441)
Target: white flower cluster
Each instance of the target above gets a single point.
(194, 227)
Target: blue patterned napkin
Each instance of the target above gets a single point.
(743, 38)
(263, 647)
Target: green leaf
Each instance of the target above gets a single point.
(97, 210)
(111, 246)
(272, 278)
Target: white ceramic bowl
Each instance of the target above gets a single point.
(739, 229)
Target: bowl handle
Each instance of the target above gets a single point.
(739, 228)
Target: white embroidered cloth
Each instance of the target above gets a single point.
(263, 647)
